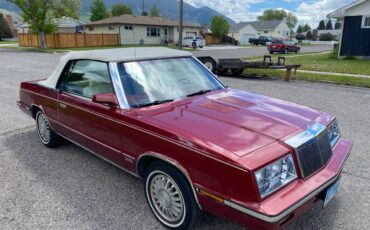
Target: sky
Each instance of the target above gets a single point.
(307, 11)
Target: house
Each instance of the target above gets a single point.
(355, 18)
(142, 29)
(64, 25)
(246, 30)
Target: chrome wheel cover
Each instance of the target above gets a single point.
(43, 128)
(209, 65)
(166, 199)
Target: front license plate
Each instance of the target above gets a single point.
(330, 192)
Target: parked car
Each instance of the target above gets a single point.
(194, 41)
(261, 40)
(283, 47)
(162, 116)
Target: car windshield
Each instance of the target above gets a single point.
(154, 82)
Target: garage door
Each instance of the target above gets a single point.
(246, 37)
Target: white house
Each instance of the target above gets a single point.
(142, 29)
(246, 30)
(64, 25)
(355, 39)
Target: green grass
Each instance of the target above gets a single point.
(8, 42)
(343, 80)
(328, 62)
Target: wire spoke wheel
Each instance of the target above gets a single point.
(43, 128)
(166, 199)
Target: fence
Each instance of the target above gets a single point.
(66, 40)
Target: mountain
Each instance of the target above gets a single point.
(168, 8)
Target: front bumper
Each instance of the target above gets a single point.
(290, 202)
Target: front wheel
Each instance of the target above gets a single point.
(47, 136)
(297, 51)
(170, 197)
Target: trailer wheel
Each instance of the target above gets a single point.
(237, 71)
(222, 71)
(209, 63)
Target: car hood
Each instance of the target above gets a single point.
(230, 121)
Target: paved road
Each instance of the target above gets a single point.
(253, 51)
(68, 188)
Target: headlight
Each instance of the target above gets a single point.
(275, 175)
(333, 132)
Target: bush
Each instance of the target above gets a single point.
(300, 37)
(326, 37)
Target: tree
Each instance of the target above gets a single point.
(4, 28)
(337, 26)
(300, 37)
(329, 25)
(309, 35)
(271, 14)
(69, 8)
(154, 11)
(120, 9)
(219, 26)
(98, 11)
(306, 28)
(321, 25)
(299, 29)
(326, 37)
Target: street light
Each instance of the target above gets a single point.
(181, 22)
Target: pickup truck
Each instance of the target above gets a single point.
(261, 40)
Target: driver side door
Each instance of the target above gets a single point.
(94, 126)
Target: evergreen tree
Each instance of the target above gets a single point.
(98, 11)
(120, 9)
(329, 25)
(321, 25)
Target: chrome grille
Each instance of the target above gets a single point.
(314, 154)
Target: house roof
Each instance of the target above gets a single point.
(64, 22)
(113, 55)
(258, 25)
(140, 20)
(340, 13)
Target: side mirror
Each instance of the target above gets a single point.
(105, 98)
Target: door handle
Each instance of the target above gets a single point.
(62, 105)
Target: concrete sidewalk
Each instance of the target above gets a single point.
(334, 74)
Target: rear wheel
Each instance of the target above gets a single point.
(210, 64)
(170, 197)
(47, 136)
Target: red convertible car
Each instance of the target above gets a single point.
(162, 116)
(283, 47)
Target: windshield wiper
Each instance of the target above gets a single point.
(200, 92)
(158, 102)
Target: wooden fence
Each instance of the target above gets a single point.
(65, 40)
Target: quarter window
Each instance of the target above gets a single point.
(153, 31)
(86, 78)
(366, 22)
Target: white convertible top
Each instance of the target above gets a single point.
(113, 55)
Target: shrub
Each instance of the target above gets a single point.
(326, 37)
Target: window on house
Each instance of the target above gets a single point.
(91, 28)
(128, 28)
(111, 28)
(366, 22)
(153, 31)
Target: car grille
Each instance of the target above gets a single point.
(314, 154)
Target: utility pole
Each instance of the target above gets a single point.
(181, 22)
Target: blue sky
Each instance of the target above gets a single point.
(307, 11)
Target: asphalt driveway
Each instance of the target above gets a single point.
(68, 188)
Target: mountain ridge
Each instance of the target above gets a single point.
(169, 9)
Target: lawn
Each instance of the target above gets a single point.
(8, 42)
(343, 80)
(322, 62)
(328, 62)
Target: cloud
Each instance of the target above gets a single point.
(308, 11)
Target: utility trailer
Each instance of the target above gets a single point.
(237, 66)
